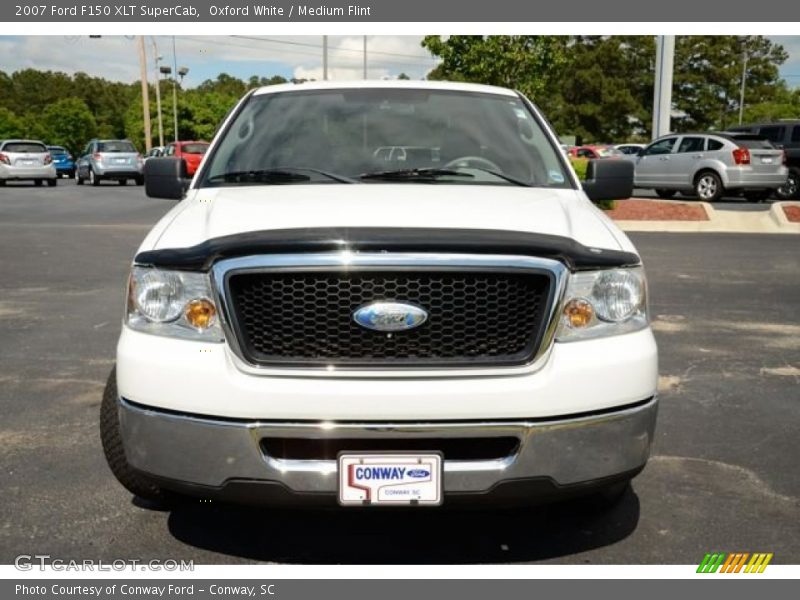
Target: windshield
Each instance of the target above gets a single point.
(385, 135)
(120, 146)
(24, 147)
(194, 148)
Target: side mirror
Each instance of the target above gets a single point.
(166, 178)
(608, 180)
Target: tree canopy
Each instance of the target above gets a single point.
(600, 88)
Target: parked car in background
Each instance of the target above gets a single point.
(154, 152)
(709, 165)
(595, 152)
(62, 159)
(116, 160)
(191, 152)
(26, 160)
(784, 135)
(631, 151)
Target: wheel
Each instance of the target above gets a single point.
(708, 186)
(663, 193)
(791, 190)
(78, 178)
(37, 182)
(93, 179)
(140, 180)
(114, 450)
(52, 182)
(122, 181)
(757, 196)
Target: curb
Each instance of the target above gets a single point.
(773, 220)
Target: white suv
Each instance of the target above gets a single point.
(26, 160)
(315, 323)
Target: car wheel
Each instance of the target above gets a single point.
(122, 181)
(140, 180)
(93, 179)
(38, 182)
(78, 178)
(791, 190)
(114, 450)
(663, 193)
(708, 186)
(52, 182)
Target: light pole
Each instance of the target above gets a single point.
(166, 71)
(662, 92)
(157, 57)
(745, 58)
(148, 139)
(365, 57)
(325, 58)
(175, 88)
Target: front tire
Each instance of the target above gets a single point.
(791, 190)
(78, 178)
(708, 186)
(114, 450)
(666, 194)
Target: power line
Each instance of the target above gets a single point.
(339, 48)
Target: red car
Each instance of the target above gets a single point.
(595, 152)
(191, 152)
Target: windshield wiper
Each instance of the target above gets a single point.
(498, 174)
(277, 175)
(414, 174)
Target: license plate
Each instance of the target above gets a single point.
(27, 163)
(371, 479)
(766, 161)
(120, 161)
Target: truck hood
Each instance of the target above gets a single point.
(214, 212)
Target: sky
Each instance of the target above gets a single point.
(116, 57)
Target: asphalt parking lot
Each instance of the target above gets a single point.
(723, 475)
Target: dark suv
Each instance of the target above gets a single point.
(786, 135)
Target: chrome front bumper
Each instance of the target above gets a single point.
(209, 454)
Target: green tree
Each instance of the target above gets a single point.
(11, 125)
(69, 123)
(529, 63)
(708, 71)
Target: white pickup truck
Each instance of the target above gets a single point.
(383, 293)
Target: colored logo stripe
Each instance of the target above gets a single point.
(734, 562)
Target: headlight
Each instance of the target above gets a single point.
(172, 303)
(602, 303)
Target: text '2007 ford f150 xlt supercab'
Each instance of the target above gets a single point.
(384, 293)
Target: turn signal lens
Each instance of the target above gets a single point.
(578, 313)
(200, 313)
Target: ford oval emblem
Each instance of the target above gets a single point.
(418, 473)
(385, 315)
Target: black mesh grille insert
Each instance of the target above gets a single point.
(474, 318)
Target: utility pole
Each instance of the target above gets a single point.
(175, 88)
(325, 58)
(365, 57)
(745, 58)
(662, 92)
(157, 59)
(148, 142)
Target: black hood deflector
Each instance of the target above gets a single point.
(387, 239)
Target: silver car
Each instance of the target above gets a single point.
(710, 165)
(116, 160)
(26, 160)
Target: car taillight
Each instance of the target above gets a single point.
(97, 156)
(4, 159)
(741, 156)
(48, 159)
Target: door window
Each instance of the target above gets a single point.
(661, 147)
(691, 144)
